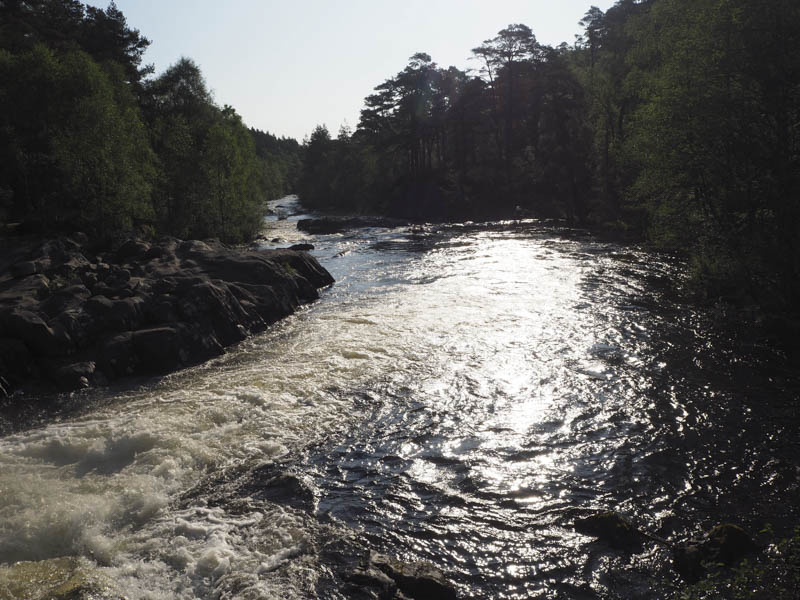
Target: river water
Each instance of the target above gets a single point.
(459, 396)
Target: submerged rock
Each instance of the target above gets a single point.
(145, 308)
(301, 247)
(361, 573)
(611, 528)
(54, 579)
(415, 580)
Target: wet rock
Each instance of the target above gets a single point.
(415, 580)
(74, 376)
(161, 309)
(98, 306)
(361, 573)
(301, 247)
(56, 579)
(724, 545)
(285, 488)
(174, 303)
(117, 356)
(158, 349)
(611, 528)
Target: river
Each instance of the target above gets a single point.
(459, 396)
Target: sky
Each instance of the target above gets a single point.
(288, 66)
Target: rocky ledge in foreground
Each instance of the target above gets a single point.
(70, 318)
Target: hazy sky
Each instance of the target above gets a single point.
(288, 66)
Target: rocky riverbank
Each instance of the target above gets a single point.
(71, 317)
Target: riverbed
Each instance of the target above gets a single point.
(459, 396)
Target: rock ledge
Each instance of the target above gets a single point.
(71, 318)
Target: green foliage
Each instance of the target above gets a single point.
(446, 144)
(87, 143)
(337, 172)
(280, 163)
(75, 150)
(773, 576)
(716, 141)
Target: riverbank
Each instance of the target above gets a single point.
(72, 317)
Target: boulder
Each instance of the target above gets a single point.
(66, 298)
(26, 293)
(161, 309)
(74, 376)
(126, 314)
(39, 337)
(132, 248)
(416, 580)
(158, 349)
(116, 355)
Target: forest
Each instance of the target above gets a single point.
(676, 122)
(93, 141)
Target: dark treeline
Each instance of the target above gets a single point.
(677, 121)
(92, 141)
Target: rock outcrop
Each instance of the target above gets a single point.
(70, 317)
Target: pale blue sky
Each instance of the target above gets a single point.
(288, 66)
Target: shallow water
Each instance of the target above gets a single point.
(459, 396)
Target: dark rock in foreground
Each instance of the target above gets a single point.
(725, 545)
(324, 225)
(360, 573)
(348, 567)
(70, 318)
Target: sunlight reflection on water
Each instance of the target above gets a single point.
(458, 396)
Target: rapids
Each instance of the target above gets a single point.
(459, 396)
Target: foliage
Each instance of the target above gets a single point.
(90, 143)
(75, 150)
(773, 576)
(677, 121)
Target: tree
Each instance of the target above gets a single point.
(76, 151)
(717, 142)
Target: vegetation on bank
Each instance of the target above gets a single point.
(677, 121)
(92, 141)
(773, 575)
